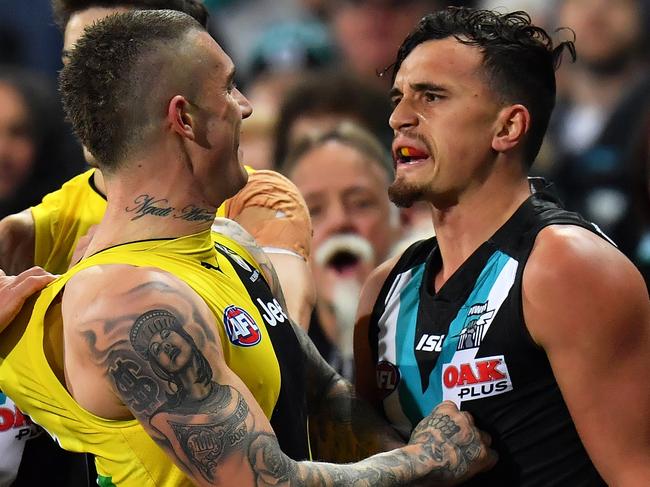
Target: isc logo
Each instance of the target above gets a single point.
(430, 343)
(241, 327)
(387, 377)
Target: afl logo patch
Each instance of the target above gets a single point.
(241, 327)
(388, 377)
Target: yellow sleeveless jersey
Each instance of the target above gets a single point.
(65, 215)
(261, 349)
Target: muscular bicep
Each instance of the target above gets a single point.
(154, 344)
(365, 380)
(17, 243)
(590, 312)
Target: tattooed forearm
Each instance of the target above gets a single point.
(145, 205)
(343, 426)
(185, 397)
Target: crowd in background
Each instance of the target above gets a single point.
(307, 66)
(317, 73)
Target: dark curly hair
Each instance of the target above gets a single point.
(111, 87)
(64, 9)
(519, 59)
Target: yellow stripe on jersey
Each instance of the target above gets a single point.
(123, 450)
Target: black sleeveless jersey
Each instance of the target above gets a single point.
(469, 343)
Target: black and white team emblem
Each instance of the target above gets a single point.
(478, 318)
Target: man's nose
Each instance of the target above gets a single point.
(403, 116)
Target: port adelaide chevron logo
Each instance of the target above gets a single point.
(474, 329)
(241, 327)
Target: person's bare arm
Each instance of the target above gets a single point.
(294, 275)
(364, 374)
(146, 317)
(271, 209)
(588, 307)
(343, 427)
(17, 242)
(15, 290)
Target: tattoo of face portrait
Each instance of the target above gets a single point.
(203, 419)
(158, 337)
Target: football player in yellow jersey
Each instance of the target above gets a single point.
(269, 207)
(169, 156)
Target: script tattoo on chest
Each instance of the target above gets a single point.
(146, 204)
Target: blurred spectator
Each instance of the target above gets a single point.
(321, 101)
(600, 112)
(344, 175)
(30, 37)
(281, 56)
(36, 155)
(369, 32)
(240, 22)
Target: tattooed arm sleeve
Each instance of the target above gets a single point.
(154, 341)
(343, 427)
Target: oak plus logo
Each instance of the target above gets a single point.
(475, 379)
(241, 327)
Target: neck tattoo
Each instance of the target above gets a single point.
(150, 205)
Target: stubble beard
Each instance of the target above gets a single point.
(404, 194)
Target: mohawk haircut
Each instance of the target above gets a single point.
(106, 87)
(64, 9)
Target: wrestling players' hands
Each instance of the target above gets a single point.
(452, 442)
(14, 290)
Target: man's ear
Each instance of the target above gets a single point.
(180, 118)
(513, 122)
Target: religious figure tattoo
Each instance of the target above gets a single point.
(165, 364)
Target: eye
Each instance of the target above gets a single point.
(232, 86)
(154, 348)
(394, 101)
(362, 203)
(431, 97)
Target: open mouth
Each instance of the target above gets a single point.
(343, 261)
(407, 155)
(344, 253)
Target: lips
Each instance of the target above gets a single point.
(344, 253)
(405, 152)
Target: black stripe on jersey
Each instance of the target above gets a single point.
(289, 418)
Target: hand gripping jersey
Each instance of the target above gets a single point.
(468, 343)
(64, 216)
(225, 276)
